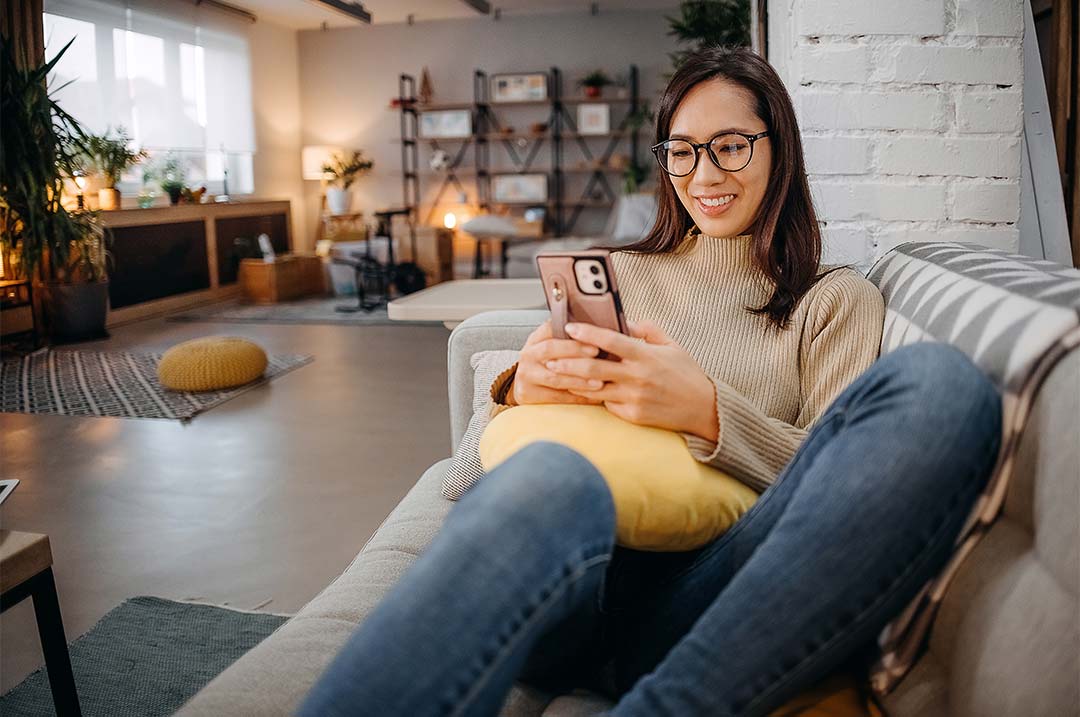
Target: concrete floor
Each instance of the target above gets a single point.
(258, 502)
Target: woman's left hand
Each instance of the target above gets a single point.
(656, 382)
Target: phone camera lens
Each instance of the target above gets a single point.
(594, 269)
(598, 284)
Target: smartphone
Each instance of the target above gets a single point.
(580, 286)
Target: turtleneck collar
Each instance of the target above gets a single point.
(730, 253)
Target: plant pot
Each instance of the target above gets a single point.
(108, 199)
(174, 195)
(75, 312)
(592, 91)
(338, 200)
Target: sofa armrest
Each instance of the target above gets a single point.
(490, 331)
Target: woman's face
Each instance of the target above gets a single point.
(722, 204)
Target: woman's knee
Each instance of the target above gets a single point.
(543, 477)
(942, 383)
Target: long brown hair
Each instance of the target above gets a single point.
(786, 243)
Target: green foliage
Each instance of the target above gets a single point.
(707, 23)
(111, 155)
(40, 146)
(344, 169)
(596, 78)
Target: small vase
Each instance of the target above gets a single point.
(108, 199)
(174, 195)
(592, 92)
(338, 200)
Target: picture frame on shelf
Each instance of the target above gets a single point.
(594, 118)
(521, 87)
(519, 188)
(446, 124)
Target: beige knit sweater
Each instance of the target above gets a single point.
(770, 385)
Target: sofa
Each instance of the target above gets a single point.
(1006, 640)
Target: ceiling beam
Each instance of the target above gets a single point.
(481, 6)
(353, 9)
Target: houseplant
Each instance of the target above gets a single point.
(705, 23)
(172, 177)
(341, 172)
(111, 157)
(595, 82)
(61, 250)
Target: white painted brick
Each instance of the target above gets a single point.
(845, 245)
(835, 63)
(872, 17)
(932, 64)
(957, 156)
(888, 238)
(837, 155)
(989, 111)
(838, 109)
(990, 18)
(983, 202)
(853, 200)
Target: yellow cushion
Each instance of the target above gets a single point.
(665, 500)
(211, 364)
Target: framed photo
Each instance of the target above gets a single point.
(593, 118)
(519, 188)
(446, 124)
(528, 87)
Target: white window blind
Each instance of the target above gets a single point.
(175, 75)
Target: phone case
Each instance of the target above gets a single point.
(566, 300)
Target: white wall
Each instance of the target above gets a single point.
(275, 91)
(911, 113)
(348, 77)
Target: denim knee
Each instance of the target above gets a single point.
(543, 477)
(943, 378)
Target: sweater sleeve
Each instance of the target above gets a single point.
(842, 339)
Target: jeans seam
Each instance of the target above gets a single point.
(742, 522)
(808, 661)
(541, 610)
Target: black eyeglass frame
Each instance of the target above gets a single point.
(707, 146)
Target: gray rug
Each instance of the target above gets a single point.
(305, 311)
(146, 657)
(110, 383)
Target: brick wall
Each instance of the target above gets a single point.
(911, 116)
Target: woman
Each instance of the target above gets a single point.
(761, 362)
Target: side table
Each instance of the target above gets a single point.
(26, 571)
(454, 301)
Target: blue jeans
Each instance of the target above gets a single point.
(524, 581)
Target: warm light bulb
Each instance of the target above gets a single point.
(80, 181)
(449, 221)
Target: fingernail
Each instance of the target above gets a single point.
(591, 351)
(551, 365)
(595, 384)
(572, 329)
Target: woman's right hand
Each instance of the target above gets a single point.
(534, 383)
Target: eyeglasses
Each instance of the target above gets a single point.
(730, 151)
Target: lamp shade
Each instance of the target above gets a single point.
(313, 158)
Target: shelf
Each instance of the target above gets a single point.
(439, 107)
(597, 101)
(517, 135)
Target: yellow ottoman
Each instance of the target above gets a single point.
(211, 364)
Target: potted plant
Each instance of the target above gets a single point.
(173, 178)
(340, 173)
(62, 251)
(595, 82)
(111, 157)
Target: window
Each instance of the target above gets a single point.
(177, 77)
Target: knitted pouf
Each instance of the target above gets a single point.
(210, 364)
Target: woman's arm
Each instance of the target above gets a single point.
(841, 340)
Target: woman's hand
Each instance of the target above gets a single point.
(657, 383)
(535, 383)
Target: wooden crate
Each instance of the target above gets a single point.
(291, 276)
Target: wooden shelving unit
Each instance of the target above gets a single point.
(522, 148)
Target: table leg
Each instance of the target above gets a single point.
(54, 644)
(478, 259)
(504, 245)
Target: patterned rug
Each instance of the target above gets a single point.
(147, 657)
(110, 383)
(306, 311)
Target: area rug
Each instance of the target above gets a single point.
(147, 657)
(306, 311)
(110, 383)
